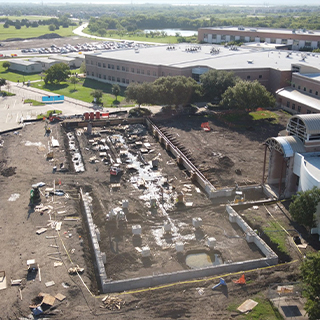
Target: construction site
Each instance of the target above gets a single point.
(128, 204)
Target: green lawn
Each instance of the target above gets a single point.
(82, 90)
(15, 75)
(264, 114)
(24, 32)
(263, 310)
(277, 235)
(243, 118)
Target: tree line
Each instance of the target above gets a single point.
(63, 21)
(219, 87)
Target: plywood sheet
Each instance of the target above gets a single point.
(248, 305)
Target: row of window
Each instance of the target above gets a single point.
(249, 77)
(305, 89)
(122, 68)
(224, 38)
(293, 107)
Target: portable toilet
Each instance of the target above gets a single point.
(97, 114)
(86, 116)
(91, 115)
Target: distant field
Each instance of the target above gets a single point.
(30, 32)
(31, 18)
(142, 38)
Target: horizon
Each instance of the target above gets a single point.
(254, 3)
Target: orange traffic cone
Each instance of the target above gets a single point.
(241, 280)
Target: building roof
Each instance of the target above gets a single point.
(310, 121)
(62, 58)
(43, 60)
(312, 76)
(299, 97)
(226, 59)
(24, 62)
(287, 145)
(315, 33)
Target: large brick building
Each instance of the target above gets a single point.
(275, 69)
(292, 39)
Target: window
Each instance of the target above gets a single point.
(113, 79)
(260, 76)
(288, 104)
(293, 85)
(304, 89)
(87, 61)
(299, 109)
(127, 69)
(138, 71)
(103, 65)
(310, 91)
(109, 66)
(248, 77)
(316, 93)
(109, 78)
(142, 71)
(127, 80)
(118, 79)
(299, 87)
(293, 106)
(118, 67)
(91, 62)
(162, 73)
(123, 80)
(308, 111)
(148, 72)
(99, 75)
(123, 68)
(132, 70)
(112, 66)
(99, 64)
(154, 73)
(92, 73)
(104, 77)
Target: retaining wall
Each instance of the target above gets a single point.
(98, 260)
(151, 281)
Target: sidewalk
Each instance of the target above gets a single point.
(13, 110)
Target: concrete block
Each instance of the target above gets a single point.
(179, 246)
(211, 242)
(197, 222)
(136, 230)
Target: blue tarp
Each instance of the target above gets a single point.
(52, 99)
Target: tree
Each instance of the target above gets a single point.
(57, 73)
(141, 93)
(215, 82)
(2, 82)
(116, 90)
(74, 80)
(52, 27)
(311, 280)
(176, 90)
(304, 207)
(83, 68)
(97, 94)
(6, 64)
(247, 95)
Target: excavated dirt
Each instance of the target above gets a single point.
(228, 156)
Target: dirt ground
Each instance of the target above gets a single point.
(218, 153)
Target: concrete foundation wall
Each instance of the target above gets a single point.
(251, 236)
(151, 281)
(98, 258)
